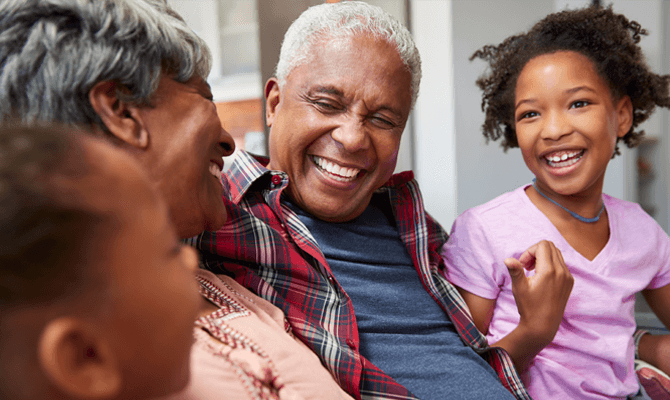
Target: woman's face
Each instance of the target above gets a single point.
(184, 156)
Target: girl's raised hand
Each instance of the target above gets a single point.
(541, 300)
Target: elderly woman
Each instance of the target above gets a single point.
(134, 73)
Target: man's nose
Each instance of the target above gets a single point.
(352, 134)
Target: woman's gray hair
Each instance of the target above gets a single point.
(52, 53)
(341, 20)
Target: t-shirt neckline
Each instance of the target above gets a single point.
(605, 253)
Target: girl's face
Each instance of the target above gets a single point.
(567, 123)
(154, 297)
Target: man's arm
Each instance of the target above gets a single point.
(541, 300)
(655, 349)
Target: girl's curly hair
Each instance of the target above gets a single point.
(609, 40)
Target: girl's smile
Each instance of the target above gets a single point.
(567, 124)
(563, 162)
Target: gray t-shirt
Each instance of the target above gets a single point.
(402, 330)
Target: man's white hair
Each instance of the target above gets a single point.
(341, 20)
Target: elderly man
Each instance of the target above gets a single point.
(134, 73)
(324, 228)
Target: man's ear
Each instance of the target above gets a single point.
(77, 360)
(271, 100)
(121, 119)
(624, 115)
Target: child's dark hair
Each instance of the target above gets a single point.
(609, 40)
(47, 235)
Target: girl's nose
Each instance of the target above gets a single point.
(556, 126)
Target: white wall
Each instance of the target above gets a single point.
(435, 141)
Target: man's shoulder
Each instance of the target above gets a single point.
(400, 179)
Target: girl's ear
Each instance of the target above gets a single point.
(624, 115)
(271, 100)
(78, 360)
(121, 118)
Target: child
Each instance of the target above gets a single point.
(95, 285)
(566, 93)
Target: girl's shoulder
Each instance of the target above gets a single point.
(506, 203)
(631, 221)
(510, 212)
(627, 210)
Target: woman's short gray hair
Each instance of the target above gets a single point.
(52, 53)
(345, 19)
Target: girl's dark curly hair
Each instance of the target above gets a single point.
(609, 40)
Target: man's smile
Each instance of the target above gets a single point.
(335, 171)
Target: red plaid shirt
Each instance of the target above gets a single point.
(268, 250)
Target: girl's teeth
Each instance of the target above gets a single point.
(564, 160)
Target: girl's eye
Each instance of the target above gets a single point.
(579, 104)
(529, 114)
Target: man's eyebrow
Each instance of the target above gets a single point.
(326, 90)
(332, 90)
(392, 110)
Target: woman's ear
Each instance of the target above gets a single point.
(624, 116)
(78, 360)
(121, 118)
(271, 100)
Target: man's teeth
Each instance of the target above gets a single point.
(214, 169)
(563, 159)
(337, 172)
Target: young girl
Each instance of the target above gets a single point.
(566, 93)
(94, 282)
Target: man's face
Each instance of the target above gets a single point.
(336, 124)
(186, 146)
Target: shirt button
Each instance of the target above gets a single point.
(276, 179)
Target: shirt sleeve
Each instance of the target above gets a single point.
(469, 258)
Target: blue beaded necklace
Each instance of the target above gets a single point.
(574, 214)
